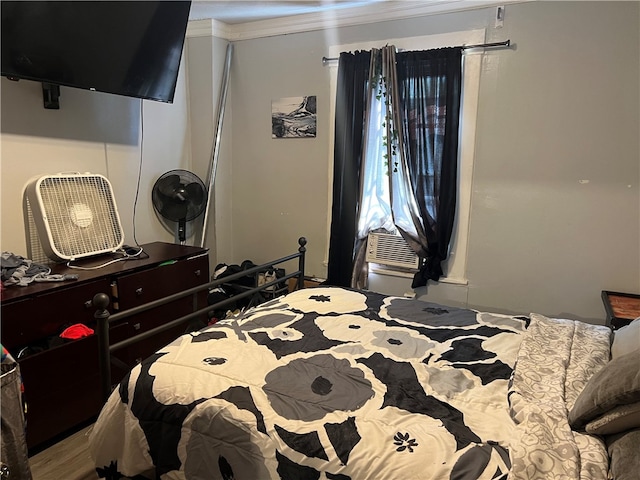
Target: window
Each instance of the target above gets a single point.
(455, 266)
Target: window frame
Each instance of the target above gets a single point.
(455, 266)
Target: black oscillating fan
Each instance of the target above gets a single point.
(179, 196)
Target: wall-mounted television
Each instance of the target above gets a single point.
(130, 48)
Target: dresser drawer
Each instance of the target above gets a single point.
(61, 388)
(32, 320)
(142, 287)
(150, 319)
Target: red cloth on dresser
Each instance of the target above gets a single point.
(74, 332)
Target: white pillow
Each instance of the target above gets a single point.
(626, 339)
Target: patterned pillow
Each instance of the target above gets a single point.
(626, 339)
(615, 385)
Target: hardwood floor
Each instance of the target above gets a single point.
(68, 459)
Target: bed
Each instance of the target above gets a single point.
(334, 383)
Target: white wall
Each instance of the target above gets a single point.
(558, 109)
(279, 186)
(556, 199)
(555, 213)
(205, 59)
(91, 132)
(105, 134)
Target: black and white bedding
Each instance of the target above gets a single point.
(330, 383)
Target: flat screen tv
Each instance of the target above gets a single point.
(120, 47)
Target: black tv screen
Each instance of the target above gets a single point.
(120, 47)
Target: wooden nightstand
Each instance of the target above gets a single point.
(621, 308)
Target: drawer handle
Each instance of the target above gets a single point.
(197, 272)
(139, 291)
(136, 326)
(88, 304)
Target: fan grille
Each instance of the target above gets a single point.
(35, 252)
(80, 215)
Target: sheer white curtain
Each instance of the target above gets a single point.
(374, 210)
(375, 197)
(387, 201)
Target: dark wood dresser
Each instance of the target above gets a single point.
(61, 377)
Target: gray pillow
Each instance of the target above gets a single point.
(624, 461)
(626, 339)
(616, 384)
(616, 420)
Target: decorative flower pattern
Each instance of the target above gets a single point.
(410, 310)
(231, 444)
(326, 300)
(401, 344)
(556, 357)
(398, 342)
(308, 389)
(404, 442)
(335, 383)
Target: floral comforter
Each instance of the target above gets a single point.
(327, 383)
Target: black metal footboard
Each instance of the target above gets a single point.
(104, 318)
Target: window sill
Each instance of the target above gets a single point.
(382, 270)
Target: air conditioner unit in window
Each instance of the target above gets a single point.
(392, 250)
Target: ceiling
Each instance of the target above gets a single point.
(241, 11)
(244, 19)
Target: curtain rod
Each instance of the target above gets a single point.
(506, 43)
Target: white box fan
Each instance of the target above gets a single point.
(74, 216)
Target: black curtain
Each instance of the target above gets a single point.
(430, 84)
(353, 74)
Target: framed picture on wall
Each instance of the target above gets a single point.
(293, 117)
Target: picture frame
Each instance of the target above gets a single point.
(294, 117)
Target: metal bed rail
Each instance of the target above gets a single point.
(104, 318)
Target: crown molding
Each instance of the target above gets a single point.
(379, 12)
(209, 28)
